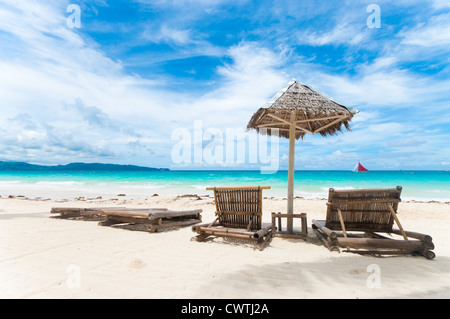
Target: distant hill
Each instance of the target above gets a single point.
(85, 167)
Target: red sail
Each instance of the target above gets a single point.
(361, 168)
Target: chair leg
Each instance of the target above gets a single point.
(262, 243)
(200, 237)
(325, 242)
(109, 222)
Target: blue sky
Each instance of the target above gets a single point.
(115, 89)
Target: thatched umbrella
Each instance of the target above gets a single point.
(295, 111)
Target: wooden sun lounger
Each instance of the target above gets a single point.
(77, 213)
(90, 214)
(153, 219)
(359, 215)
(239, 213)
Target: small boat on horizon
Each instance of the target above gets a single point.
(360, 168)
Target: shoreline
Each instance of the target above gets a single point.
(125, 197)
(417, 186)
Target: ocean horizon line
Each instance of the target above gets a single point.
(96, 166)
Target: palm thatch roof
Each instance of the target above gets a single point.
(311, 112)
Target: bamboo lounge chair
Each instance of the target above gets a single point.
(153, 219)
(239, 213)
(77, 213)
(368, 212)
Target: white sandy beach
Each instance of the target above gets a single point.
(42, 257)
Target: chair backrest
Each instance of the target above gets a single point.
(362, 209)
(239, 207)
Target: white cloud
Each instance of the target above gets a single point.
(391, 88)
(248, 81)
(54, 68)
(191, 4)
(434, 33)
(167, 34)
(440, 4)
(342, 33)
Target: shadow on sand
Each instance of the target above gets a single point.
(340, 276)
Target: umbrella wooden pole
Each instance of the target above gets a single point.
(290, 198)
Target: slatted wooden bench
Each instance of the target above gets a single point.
(356, 217)
(238, 215)
(153, 219)
(79, 213)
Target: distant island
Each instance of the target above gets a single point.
(85, 167)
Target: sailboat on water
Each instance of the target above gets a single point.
(360, 168)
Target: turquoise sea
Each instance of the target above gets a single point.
(417, 185)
